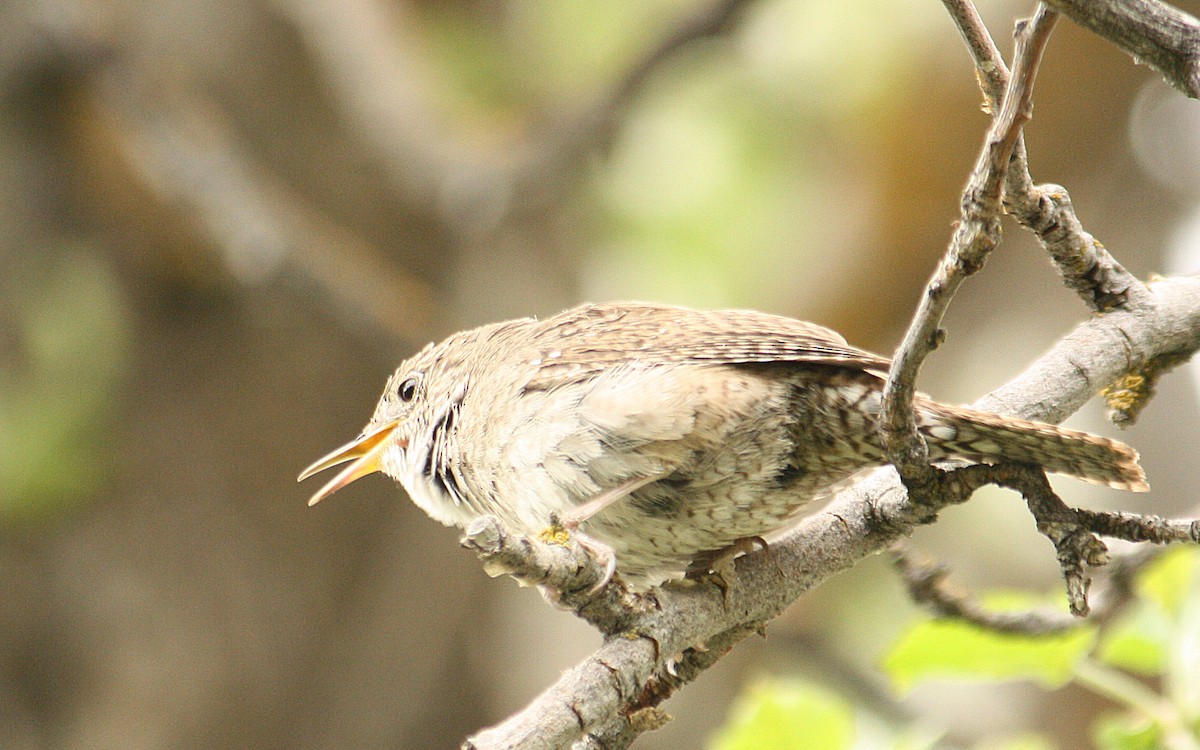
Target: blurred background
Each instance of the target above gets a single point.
(224, 222)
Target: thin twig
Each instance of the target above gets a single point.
(977, 234)
(1078, 548)
(1135, 527)
(1074, 532)
(990, 68)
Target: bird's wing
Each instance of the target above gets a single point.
(588, 339)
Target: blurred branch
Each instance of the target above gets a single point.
(187, 155)
(977, 234)
(1153, 32)
(1085, 265)
(929, 584)
(568, 143)
(690, 625)
(378, 75)
(376, 69)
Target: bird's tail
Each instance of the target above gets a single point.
(983, 437)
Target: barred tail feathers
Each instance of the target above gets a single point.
(987, 438)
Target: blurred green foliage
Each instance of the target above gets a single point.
(705, 198)
(786, 714)
(1157, 638)
(1017, 742)
(933, 649)
(72, 344)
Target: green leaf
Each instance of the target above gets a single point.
(909, 738)
(951, 648)
(1027, 741)
(1136, 642)
(56, 400)
(1166, 581)
(1126, 732)
(783, 714)
(1182, 682)
(1140, 640)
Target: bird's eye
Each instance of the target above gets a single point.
(407, 390)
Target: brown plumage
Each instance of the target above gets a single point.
(665, 434)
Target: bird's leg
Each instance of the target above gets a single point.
(602, 552)
(581, 513)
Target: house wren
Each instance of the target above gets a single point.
(664, 435)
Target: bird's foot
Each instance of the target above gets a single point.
(712, 566)
(560, 530)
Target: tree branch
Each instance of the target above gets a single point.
(1153, 32)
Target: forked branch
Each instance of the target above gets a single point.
(976, 235)
(1086, 266)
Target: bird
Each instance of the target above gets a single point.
(666, 438)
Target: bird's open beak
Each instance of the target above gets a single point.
(365, 451)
